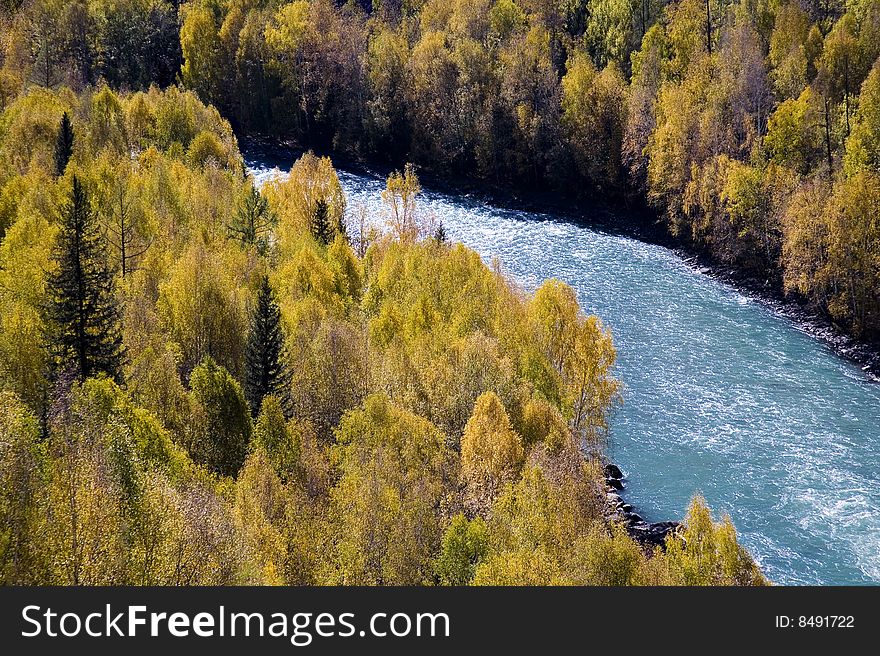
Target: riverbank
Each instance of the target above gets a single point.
(636, 221)
(648, 534)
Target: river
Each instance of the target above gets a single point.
(723, 395)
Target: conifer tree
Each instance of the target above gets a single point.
(321, 228)
(440, 234)
(253, 219)
(83, 313)
(265, 372)
(63, 144)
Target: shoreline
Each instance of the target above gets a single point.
(617, 510)
(646, 227)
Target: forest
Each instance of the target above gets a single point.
(750, 128)
(206, 382)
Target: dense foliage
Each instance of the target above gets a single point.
(750, 125)
(284, 408)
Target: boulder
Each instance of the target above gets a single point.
(612, 471)
(615, 483)
(651, 533)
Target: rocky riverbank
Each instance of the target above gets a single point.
(651, 534)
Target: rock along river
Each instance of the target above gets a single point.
(722, 394)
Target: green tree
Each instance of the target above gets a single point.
(321, 228)
(400, 196)
(614, 28)
(795, 137)
(594, 106)
(201, 304)
(63, 144)
(707, 553)
(47, 41)
(839, 66)
(199, 41)
(863, 146)
(281, 445)
(253, 219)
(463, 547)
(83, 311)
(221, 419)
(22, 478)
(265, 372)
(396, 474)
(793, 50)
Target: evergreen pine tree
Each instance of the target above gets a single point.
(440, 234)
(83, 313)
(265, 372)
(63, 144)
(321, 228)
(253, 219)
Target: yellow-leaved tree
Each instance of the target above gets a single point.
(491, 451)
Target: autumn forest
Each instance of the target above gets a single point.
(206, 381)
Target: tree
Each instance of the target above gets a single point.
(594, 106)
(83, 310)
(863, 146)
(311, 179)
(265, 372)
(200, 49)
(282, 446)
(201, 306)
(321, 228)
(648, 66)
(793, 50)
(316, 70)
(830, 249)
(140, 43)
(121, 225)
(63, 145)
(253, 218)
(46, 41)
(396, 475)
(22, 470)
(795, 137)
(614, 27)
(491, 451)
(707, 553)
(582, 353)
(464, 545)
(527, 566)
(401, 191)
(534, 524)
(839, 65)
(530, 96)
(431, 87)
(221, 419)
(387, 122)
